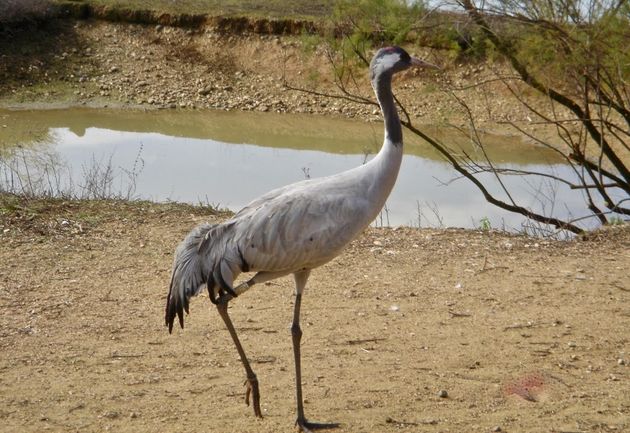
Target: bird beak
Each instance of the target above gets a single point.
(422, 64)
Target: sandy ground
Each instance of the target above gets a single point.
(517, 334)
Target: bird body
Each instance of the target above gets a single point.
(292, 229)
(300, 226)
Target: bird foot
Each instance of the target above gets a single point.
(307, 427)
(251, 385)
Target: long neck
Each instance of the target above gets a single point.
(381, 172)
(383, 88)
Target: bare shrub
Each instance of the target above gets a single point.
(33, 172)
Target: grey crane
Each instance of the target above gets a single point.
(291, 230)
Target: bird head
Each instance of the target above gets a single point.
(390, 60)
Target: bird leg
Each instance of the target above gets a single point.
(252, 381)
(218, 295)
(296, 334)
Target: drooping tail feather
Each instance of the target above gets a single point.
(189, 274)
(207, 256)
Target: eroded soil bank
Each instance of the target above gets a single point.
(98, 63)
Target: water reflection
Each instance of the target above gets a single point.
(298, 131)
(202, 157)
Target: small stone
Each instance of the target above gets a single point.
(114, 69)
(572, 344)
(443, 393)
(621, 361)
(497, 429)
(394, 308)
(205, 91)
(28, 330)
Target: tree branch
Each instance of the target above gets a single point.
(508, 51)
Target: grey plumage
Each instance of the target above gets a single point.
(293, 229)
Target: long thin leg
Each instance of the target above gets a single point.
(296, 334)
(252, 380)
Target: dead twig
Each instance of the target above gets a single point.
(123, 355)
(521, 326)
(456, 314)
(365, 340)
(390, 420)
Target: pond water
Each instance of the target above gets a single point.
(229, 158)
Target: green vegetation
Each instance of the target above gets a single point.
(484, 224)
(567, 47)
(616, 221)
(381, 21)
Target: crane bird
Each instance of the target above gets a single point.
(291, 230)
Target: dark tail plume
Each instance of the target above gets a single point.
(189, 274)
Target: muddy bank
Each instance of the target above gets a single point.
(99, 63)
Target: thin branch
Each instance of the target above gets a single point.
(508, 51)
(489, 197)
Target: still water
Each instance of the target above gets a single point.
(229, 158)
